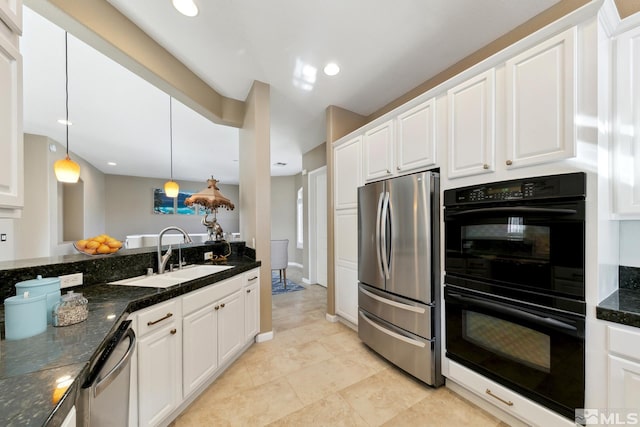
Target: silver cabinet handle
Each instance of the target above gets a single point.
(109, 377)
(160, 320)
(395, 304)
(506, 402)
(392, 333)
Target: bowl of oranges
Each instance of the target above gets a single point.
(98, 245)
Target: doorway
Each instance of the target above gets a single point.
(318, 226)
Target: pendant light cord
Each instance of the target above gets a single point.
(171, 136)
(66, 84)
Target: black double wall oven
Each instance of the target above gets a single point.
(514, 285)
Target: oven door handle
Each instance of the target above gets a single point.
(514, 312)
(516, 209)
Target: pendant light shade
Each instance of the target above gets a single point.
(171, 187)
(66, 170)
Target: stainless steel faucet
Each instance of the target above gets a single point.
(162, 259)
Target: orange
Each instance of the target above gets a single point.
(81, 244)
(104, 249)
(92, 244)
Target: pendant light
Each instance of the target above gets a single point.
(171, 187)
(66, 170)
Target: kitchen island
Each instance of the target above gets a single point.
(40, 376)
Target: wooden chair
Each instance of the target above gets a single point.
(280, 258)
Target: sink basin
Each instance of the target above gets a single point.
(173, 278)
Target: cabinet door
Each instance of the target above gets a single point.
(199, 347)
(541, 102)
(624, 383)
(252, 306)
(347, 172)
(416, 144)
(11, 14)
(378, 151)
(11, 148)
(346, 269)
(626, 141)
(230, 326)
(159, 371)
(472, 126)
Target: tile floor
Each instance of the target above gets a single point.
(317, 373)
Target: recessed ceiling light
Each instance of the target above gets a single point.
(331, 69)
(186, 7)
(112, 163)
(64, 122)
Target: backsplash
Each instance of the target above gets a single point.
(629, 278)
(108, 268)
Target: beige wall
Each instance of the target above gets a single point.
(627, 7)
(39, 232)
(283, 211)
(255, 189)
(129, 207)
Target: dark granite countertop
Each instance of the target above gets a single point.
(622, 306)
(30, 369)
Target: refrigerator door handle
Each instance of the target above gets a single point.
(378, 227)
(383, 233)
(391, 333)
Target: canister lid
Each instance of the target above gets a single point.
(24, 298)
(38, 281)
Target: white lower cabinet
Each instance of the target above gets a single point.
(251, 304)
(184, 343)
(346, 264)
(624, 367)
(200, 354)
(159, 363)
(70, 419)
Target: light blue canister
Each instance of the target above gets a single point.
(24, 316)
(49, 286)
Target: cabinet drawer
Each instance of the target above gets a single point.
(252, 277)
(205, 296)
(158, 316)
(624, 342)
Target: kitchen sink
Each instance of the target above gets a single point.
(172, 278)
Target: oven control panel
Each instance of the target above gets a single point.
(570, 185)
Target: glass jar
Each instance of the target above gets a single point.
(73, 308)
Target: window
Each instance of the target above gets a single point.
(299, 221)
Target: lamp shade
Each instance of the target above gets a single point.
(210, 198)
(66, 170)
(171, 188)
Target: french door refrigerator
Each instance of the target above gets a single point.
(399, 272)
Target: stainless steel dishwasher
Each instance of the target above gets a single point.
(104, 396)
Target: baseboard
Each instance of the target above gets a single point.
(265, 336)
(295, 264)
(306, 281)
(331, 317)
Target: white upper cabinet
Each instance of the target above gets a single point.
(471, 139)
(347, 172)
(378, 151)
(541, 102)
(11, 14)
(11, 148)
(626, 141)
(416, 144)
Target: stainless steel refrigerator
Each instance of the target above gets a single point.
(399, 272)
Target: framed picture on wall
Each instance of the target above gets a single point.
(162, 204)
(181, 208)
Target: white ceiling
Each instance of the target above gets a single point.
(384, 48)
